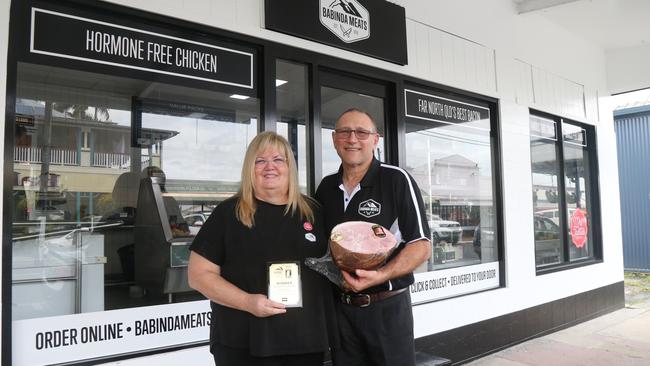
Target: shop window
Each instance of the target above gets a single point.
(562, 161)
(292, 112)
(450, 152)
(103, 219)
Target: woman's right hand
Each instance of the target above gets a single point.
(262, 307)
(205, 277)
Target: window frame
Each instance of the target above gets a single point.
(596, 255)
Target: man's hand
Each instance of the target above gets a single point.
(405, 262)
(362, 279)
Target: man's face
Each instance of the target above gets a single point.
(353, 150)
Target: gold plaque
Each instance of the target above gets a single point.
(285, 285)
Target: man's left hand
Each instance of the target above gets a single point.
(362, 279)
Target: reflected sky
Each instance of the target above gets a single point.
(202, 149)
(436, 143)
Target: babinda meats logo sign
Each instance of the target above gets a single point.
(347, 19)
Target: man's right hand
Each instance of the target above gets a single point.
(362, 279)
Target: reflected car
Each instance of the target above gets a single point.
(50, 213)
(547, 241)
(484, 235)
(553, 214)
(444, 230)
(196, 220)
(92, 218)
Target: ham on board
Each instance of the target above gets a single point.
(360, 245)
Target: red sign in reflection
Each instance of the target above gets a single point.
(579, 228)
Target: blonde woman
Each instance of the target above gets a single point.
(265, 231)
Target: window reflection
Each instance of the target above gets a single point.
(546, 197)
(100, 223)
(292, 109)
(452, 164)
(560, 229)
(577, 175)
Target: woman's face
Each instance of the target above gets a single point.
(271, 173)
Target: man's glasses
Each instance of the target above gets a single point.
(277, 161)
(345, 133)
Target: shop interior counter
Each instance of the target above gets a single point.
(58, 273)
(162, 241)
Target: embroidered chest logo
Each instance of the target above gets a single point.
(369, 208)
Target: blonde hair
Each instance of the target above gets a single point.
(246, 205)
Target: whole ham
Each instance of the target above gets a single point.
(360, 245)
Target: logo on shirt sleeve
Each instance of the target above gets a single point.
(369, 208)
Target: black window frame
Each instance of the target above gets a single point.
(496, 144)
(594, 186)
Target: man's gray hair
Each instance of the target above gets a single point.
(358, 110)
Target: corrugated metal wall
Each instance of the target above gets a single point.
(633, 140)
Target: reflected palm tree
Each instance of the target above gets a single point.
(79, 111)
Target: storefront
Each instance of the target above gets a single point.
(125, 127)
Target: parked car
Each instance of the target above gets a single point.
(444, 230)
(196, 220)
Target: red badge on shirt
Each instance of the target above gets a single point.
(307, 226)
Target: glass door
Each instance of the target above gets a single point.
(339, 93)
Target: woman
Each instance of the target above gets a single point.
(267, 224)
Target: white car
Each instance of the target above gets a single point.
(444, 230)
(196, 220)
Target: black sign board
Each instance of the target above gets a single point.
(92, 40)
(375, 28)
(439, 109)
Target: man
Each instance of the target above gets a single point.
(375, 316)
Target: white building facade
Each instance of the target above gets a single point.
(501, 118)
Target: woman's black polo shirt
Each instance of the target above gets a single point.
(242, 255)
(389, 197)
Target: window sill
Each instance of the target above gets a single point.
(567, 266)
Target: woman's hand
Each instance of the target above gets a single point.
(205, 277)
(262, 307)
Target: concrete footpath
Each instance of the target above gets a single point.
(619, 338)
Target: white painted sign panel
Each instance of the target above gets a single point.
(67, 338)
(450, 282)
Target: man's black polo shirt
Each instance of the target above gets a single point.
(388, 196)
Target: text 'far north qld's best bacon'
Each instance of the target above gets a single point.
(360, 245)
